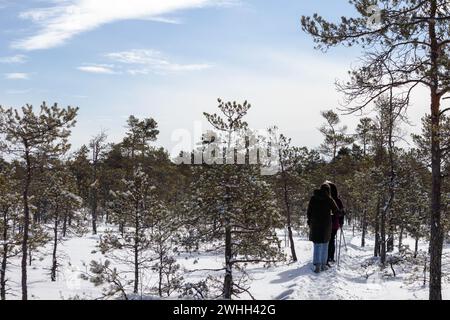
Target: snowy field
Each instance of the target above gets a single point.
(357, 277)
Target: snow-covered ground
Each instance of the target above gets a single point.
(349, 281)
(357, 277)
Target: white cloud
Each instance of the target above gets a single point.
(4, 4)
(98, 69)
(17, 76)
(20, 58)
(137, 56)
(19, 91)
(164, 20)
(68, 18)
(79, 96)
(141, 62)
(151, 61)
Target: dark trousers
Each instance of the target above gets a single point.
(332, 245)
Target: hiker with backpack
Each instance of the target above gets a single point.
(337, 223)
(321, 209)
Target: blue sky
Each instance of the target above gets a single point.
(171, 60)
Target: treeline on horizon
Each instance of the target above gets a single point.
(154, 210)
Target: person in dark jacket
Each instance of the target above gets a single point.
(320, 210)
(337, 222)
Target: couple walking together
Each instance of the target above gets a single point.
(325, 218)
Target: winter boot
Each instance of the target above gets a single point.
(324, 267)
(317, 269)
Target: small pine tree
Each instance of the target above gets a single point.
(131, 206)
(335, 137)
(232, 207)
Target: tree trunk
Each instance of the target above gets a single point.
(390, 241)
(400, 237)
(228, 281)
(334, 150)
(94, 193)
(292, 244)
(383, 236)
(26, 224)
(288, 213)
(121, 228)
(94, 212)
(3, 272)
(364, 228)
(4, 258)
(65, 224)
(136, 254)
(377, 230)
(161, 258)
(389, 211)
(437, 237)
(55, 245)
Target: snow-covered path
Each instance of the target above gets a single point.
(349, 281)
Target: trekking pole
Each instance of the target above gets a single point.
(335, 248)
(345, 242)
(339, 254)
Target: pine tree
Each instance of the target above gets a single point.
(390, 112)
(335, 137)
(28, 134)
(140, 133)
(165, 236)
(363, 132)
(132, 206)
(232, 207)
(290, 183)
(97, 146)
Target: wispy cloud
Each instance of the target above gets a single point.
(17, 76)
(4, 4)
(98, 69)
(142, 61)
(165, 20)
(20, 58)
(19, 91)
(67, 18)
